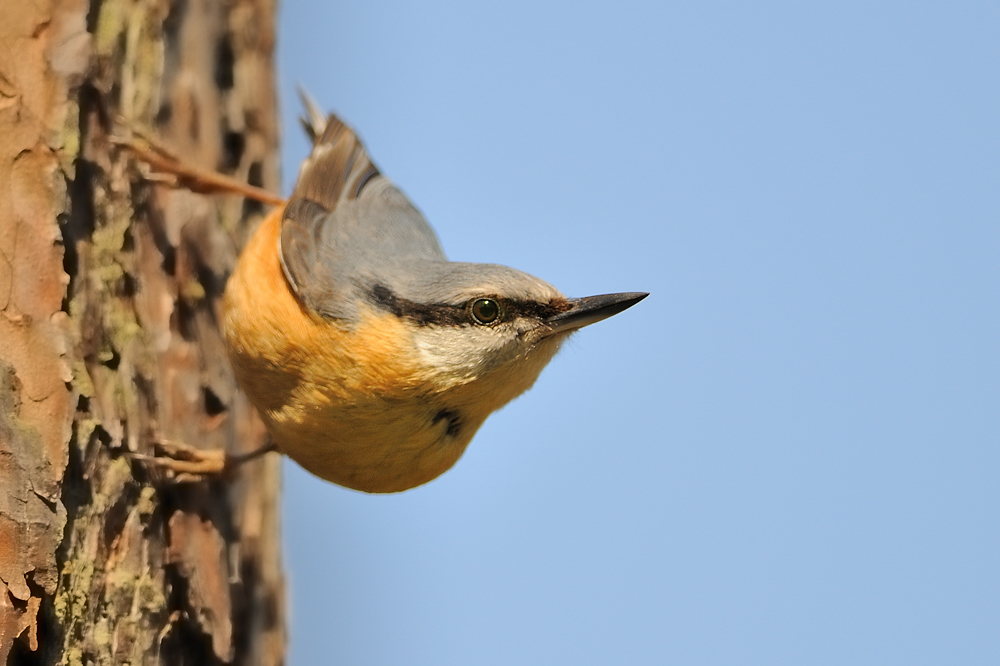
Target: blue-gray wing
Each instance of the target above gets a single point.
(347, 227)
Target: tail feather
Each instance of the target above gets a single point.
(313, 121)
(338, 167)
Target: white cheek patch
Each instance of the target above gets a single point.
(463, 352)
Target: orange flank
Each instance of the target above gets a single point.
(342, 401)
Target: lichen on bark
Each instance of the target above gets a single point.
(109, 295)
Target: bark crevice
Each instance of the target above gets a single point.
(109, 294)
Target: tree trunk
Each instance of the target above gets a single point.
(109, 300)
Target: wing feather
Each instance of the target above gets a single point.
(346, 227)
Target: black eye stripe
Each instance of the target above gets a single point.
(444, 314)
(422, 314)
(538, 310)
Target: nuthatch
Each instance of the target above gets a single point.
(372, 359)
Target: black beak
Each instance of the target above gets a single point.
(592, 309)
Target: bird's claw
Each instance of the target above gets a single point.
(187, 464)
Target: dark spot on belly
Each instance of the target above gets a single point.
(454, 421)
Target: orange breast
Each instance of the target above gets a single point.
(348, 402)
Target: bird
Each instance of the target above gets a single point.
(371, 358)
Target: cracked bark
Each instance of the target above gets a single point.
(109, 295)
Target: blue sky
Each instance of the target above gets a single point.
(790, 452)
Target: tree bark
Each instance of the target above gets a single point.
(109, 298)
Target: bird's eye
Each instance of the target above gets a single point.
(485, 310)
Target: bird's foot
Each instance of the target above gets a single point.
(169, 169)
(187, 464)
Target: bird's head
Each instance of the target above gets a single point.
(486, 331)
